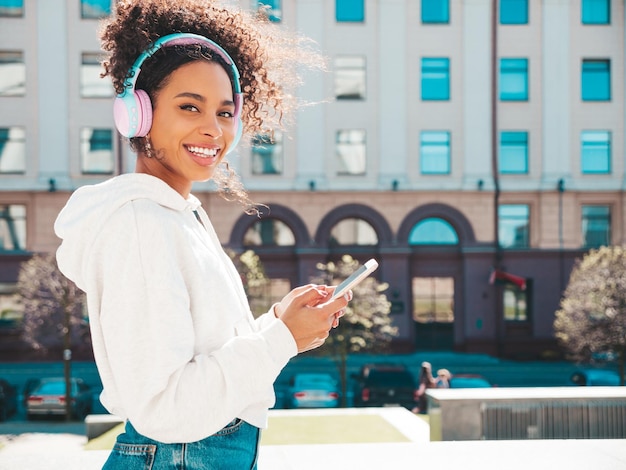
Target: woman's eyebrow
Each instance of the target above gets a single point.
(188, 94)
(201, 98)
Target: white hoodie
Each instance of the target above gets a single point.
(176, 346)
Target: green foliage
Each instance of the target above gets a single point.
(592, 315)
(366, 325)
(255, 282)
(51, 303)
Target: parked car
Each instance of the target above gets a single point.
(597, 377)
(309, 390)
(469, 381)
(29, 386)
(8, 399)
(48, 398)
(385, 385)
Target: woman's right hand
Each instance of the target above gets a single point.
(309, 314)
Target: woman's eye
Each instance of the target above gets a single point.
(189, 107)
(227, 114)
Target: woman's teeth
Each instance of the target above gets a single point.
(203, 151)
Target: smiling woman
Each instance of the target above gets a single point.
(181, 357)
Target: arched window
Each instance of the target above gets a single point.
(269, 232)
(433, 231)
(353, 231)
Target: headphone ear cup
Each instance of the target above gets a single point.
(132, 113)
(238, 134)
(144, 122)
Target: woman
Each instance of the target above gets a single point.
(178, 352)
(426, 381)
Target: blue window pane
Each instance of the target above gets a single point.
(513, 11)
(95, 8)
(435, 153)
(14, 8)
(513, 152)
(350, 10)
(435, 11)
(274, 12)
(596, 226)
(513, 225)
(433, 231)
(596, 11)
(514, 79)
(596, 80)
(595, 152)
(435, 79)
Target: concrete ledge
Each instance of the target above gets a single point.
(97, 425)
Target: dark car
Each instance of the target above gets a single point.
(385, 385)
(596, 377)
(469, 381)
(48, 398)
(8, 400)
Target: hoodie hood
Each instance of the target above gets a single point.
(89, 208)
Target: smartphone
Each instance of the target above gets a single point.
(354, 278)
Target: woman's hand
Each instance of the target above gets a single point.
(309, 314)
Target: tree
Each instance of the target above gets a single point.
(591, 321)
(53, 306)
(54, 313)
(255, 282)
(366, 325)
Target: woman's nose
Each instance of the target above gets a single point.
(211, 127)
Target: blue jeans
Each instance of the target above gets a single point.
(233, 447)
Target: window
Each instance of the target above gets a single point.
(12, 73)
(267, 154)
(514, 79)
(12, 227)
(350, 78)
(435, 11)
(433, 231)
(95, 9)
(596, 80)
(350, 10)
(435, 153)
(515, 303)
(596, 11)
(12, 150)
(12, 8)
(595, 152)
(596, 226)
(435, 79)
(269, 232)
(513, 225)
(273, 9)
(353, 231)
(350, 151)
(433, 299)
(91, 84)
(513, 11)
(513, 152)
(96, 150)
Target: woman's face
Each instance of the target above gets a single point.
(193, 125)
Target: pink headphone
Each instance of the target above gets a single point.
(132, 109)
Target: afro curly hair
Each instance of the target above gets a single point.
(269, 59)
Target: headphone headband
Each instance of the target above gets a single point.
(132, 108)
(184, 39)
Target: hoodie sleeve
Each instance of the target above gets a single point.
(141, 268)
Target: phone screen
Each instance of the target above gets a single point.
(357, 276)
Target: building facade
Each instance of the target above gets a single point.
(474, 147)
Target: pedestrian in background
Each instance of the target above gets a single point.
(180, 356)
(443, 378)
(426, 381)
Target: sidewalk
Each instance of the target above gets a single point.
(64, 452)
